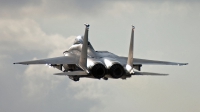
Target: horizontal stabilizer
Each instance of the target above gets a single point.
(147, 73)
(75, 73)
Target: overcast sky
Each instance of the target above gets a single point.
(165, 30)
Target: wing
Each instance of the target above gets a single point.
(137, 61)
(71, 59)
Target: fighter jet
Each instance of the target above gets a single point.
(82, 61)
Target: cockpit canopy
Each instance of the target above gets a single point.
(78, 40)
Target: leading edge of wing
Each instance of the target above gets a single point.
(151, 62)
(56, 60)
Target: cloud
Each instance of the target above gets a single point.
(27, 36)
(23, 39)
(163, 24)
(70, 8)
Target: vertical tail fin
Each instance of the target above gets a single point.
(129, 65)
(83, 56)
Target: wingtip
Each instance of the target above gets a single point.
(20, 63)
(56, 74)
(16, 63)
(183, 64)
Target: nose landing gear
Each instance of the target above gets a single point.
(74, 78)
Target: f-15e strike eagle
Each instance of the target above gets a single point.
(81, 60)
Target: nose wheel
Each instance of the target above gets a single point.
(105, 78)
(75, 78)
